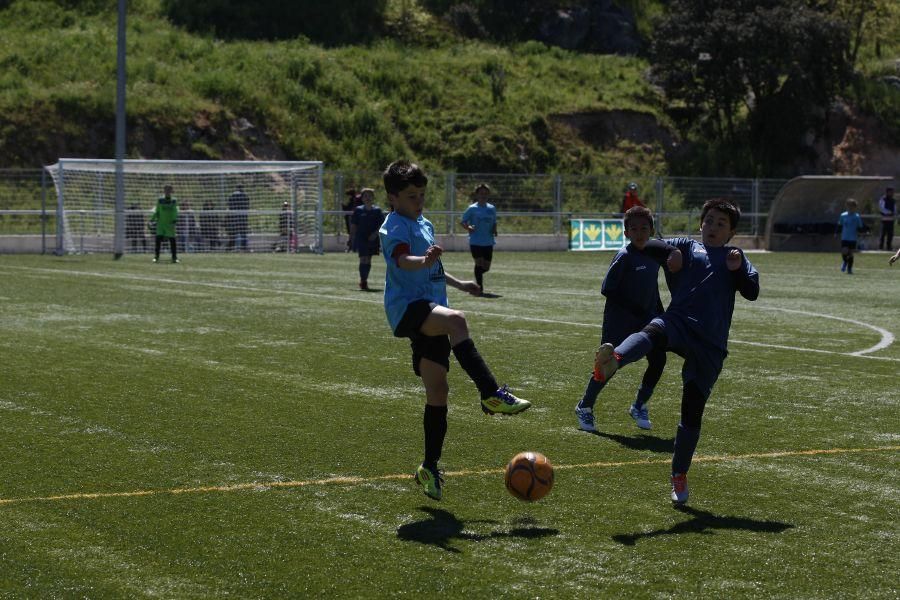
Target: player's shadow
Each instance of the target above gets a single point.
(371, 289)
(705, 522)
(489, 295)
(641, 442)
(442, 527)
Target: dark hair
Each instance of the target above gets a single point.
(483, 186)
(724, 205)
(401, 174)
(638, 212)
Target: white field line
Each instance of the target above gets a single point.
(354, 481)
(887, 338)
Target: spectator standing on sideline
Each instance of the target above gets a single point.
(209, 226)
(187, 227)
(238, 220)
(631, 198)
(287, 239)
(134, 228)
(887, 206)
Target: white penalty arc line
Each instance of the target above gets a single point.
(354, 481)
(887, 338)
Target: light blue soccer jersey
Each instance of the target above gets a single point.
(485, 220)
(850, 223)
(403, 287)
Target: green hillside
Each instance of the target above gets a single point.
(418, 91)
(353, 107)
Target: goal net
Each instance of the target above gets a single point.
(240, 206)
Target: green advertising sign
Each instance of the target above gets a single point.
(596, 234)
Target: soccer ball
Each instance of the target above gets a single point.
(529, 476)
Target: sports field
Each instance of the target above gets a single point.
(246, 426)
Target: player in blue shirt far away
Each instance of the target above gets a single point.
(480, 220)
(850, 224)
(364, 224)
(632, 301)
(415, 300)
(695, 325)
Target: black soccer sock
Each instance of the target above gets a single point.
(435, 422)
(479, 276)
(158, 243)
(364, 272)
(475, 367)
(173, 244)
(850, 263)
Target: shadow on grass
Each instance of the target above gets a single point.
(371, 289)
(443, 526)
(641, 442)
(489, 295)
(705, 522)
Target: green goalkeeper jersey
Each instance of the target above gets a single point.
(165, 215)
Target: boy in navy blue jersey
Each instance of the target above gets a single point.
(415, 300)
(850, 224)
(364, 224)
(632, 301)
(695, 325)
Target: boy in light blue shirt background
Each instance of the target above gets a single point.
(480, 220)
(850, 224)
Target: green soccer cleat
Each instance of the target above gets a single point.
(431, 481)
(504, 402)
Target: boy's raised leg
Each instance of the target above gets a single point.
(494, 398)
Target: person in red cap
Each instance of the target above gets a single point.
(631, 198)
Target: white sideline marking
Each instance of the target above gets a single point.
(351, 480)
(887, 338)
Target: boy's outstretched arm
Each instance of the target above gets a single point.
(465, 286)
(665, 254)
(746, 278)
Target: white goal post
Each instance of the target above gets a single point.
(224, 206)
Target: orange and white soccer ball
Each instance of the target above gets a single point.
(529, 476)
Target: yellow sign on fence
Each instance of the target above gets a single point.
(596, 234)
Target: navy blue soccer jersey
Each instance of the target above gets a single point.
(703, 290)
(367, 222)
(632, 293)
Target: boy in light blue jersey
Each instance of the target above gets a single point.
(850, 224)
(695, 325)
(480, 220)
(415, 300)
(632, 301)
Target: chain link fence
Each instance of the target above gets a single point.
(526, 204)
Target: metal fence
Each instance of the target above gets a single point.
(526, 203)
(543, 204)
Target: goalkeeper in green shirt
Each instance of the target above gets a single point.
(164, 218)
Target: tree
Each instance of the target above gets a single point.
(754, 72)
(330, 23)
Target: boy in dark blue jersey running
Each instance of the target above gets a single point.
(415, 300)
(695, 325)
(632, 301)
(364, 224)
